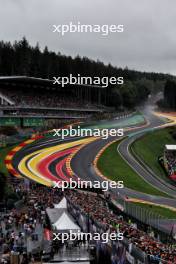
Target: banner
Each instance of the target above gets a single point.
(9, 121)
(33, 122)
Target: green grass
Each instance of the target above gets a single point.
(3, 154)
(151, 146)
(165, 212)
(112, 165)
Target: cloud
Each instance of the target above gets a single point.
(148, 42)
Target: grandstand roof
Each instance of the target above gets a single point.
(55, 108)
(41, 81)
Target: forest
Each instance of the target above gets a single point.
(20, 58)
(169, 100)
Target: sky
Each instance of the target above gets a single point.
(148, 42)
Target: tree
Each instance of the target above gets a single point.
(21, 58)
(170, 94)
(115, 99)
(129, 95)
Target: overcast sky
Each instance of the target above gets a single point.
(147, 43)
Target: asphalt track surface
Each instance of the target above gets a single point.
(82, 165)
(44, 161)
(35, 161)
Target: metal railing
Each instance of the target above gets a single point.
(146, 216)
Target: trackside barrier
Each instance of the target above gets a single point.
(146, 216)
(135, 255)
(123, 249)
(152, 219)
(124, 115)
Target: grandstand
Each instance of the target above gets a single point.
(30, 91)
(169, 160)
(93, 213)
(38, 100)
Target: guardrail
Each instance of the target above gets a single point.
(146, 216)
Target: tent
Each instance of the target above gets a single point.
(62, 204)
(54, 214)
(66, 223)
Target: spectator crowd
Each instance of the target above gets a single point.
(48, 98)
(99, 210)
(19, 225)
(170, 159)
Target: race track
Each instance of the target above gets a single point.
(49, 160)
